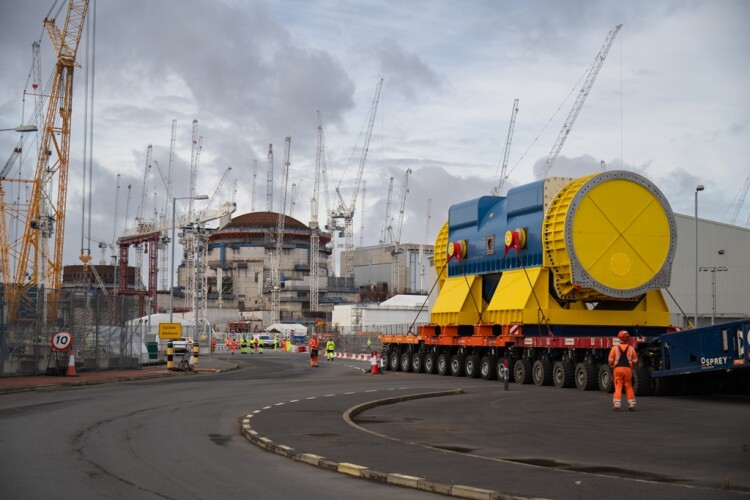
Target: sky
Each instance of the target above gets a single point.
(670, 101)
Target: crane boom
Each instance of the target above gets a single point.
(218, 187)
(504, 170)
(346, 212)
(34, 268)
(384, 234)
(739, 201)
(404, 191)
(276, 261)
(591, 75)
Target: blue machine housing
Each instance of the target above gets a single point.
(483, 222)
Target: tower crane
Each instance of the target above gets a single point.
(295, 192)
(164, 240)
(141, 214)
(421, 246)
(504, 171)
(736, 206)
(591, 75)
(255, 177)
(35, 267)
(269, 179)
(276, 261)
(362, 214)
(343, 215)
(218, 187)
(396, 250)
(384, 233)
(188, 240)
(314, 225)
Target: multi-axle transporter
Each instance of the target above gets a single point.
(541, 280)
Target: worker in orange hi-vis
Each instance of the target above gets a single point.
(228, 343)
(234, 345)
(314, 351)
(622, 359)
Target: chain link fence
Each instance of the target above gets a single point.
(104, 335)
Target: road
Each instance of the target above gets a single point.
(180, 438)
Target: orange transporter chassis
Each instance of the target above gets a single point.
(486, 349)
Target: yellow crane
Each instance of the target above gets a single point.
(46, 214)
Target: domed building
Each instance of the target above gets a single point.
(239, 258)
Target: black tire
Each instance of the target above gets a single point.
(394, 361)
(585, 376)
(443, 365)
(417, 362)
(542, 372)
(487, 368)
(642, 385)
(405, 362)
(522, 371)
(662, 386)
(605, 380)
(471, 366)
(457, 365)
(430, 363)
(563, 374)
(499, 368)
(387, 360)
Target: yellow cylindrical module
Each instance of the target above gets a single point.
(609, 236)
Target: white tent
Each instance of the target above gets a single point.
(287, 329)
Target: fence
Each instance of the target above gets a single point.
(104, 335)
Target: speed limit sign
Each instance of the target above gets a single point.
(62, 340)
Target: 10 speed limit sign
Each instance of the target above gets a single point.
(62, 340)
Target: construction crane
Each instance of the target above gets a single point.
(314, 225)
(421, 246)
(255, 177)
(164, 240)
(295, 192)
(504, 170)
(362, 214)
(218, 187)
(736, 206)
(276, 261)
(384, 233)
(343, 215)
(396, 250)
(591, 75)
(45, 212)
(269, 179)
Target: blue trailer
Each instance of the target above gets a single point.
(717, 354)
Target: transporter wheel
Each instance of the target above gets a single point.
(487, 368)
(642, 381)
(430, 363)
(417, 362)
(605, 380)
(471, 367)
(585, 376)
(405, 362)
(387, 360)
(542, 372)
(499, 368)
(563, 374)
(443, 365)
(457, 365)
(522, 371)
(394, 361)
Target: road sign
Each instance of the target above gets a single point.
(170, 330)
(62, 340)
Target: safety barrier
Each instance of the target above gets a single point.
(170, 355)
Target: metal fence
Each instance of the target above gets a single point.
(104, 333)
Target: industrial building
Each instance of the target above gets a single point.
(396, 268)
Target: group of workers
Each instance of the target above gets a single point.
(330, 346)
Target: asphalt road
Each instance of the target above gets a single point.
(180, 438)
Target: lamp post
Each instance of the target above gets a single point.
(171, 268)
(698, 188)
(713, 270)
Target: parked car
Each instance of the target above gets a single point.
(266, 339)
(182, 344)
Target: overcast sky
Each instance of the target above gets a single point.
(671, 101)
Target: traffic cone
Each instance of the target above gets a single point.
(374, 364)
(71, 366)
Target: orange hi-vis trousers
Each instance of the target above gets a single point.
(623, 376)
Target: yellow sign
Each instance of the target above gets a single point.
(170, 330)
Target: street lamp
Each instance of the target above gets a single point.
(21, 128)
(171, 269)
(698, 188)
(713, 270)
